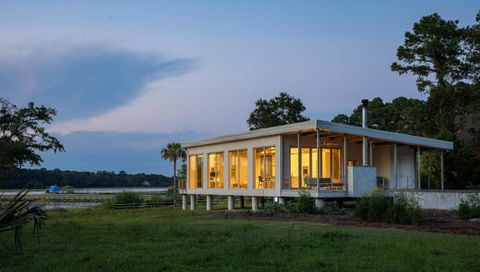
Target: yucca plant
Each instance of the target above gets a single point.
(17, 212)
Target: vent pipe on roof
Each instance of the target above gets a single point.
(364, 113)
(365, 124)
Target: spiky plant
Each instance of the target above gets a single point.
(17, 212)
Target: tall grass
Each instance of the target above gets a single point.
(380, 208)
(469, 208)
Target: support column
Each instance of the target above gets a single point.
(299, 147)
(419, 181)
(442, 178)
(365, 151)
(370, 153)
(184, 202)
(254, 203)
(209, 202)
(395, 164)
(281, 201)
(345, 162)
(319, 202)
(193, 202)
(231, 203)
(319, 161)
(242, 202)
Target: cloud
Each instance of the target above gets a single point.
(131, 152)
(83, 81)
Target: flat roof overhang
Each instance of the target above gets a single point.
(336, 128)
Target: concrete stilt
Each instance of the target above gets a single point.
(193, 202)
(209, 202)
(281, 201)
(184, 202)
(254, 203)
(231, 203)
(319, 202)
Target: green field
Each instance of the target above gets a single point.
(96, 239)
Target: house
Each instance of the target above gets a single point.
(330, 160)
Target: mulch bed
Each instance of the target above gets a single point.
(435, 221)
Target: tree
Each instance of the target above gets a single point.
(174, 152)
(22, 134)
(280, 110)
(17, 212)
(402, 115)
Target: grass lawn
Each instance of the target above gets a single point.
(95, 239)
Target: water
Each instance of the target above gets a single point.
(112, 190)
(68, 205)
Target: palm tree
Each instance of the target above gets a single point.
(17, 212)
(173, 152)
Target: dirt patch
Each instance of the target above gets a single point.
(435, 221)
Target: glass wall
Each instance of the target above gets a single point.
(238, 169)
(195, 165)
(215, 170)
(264, 168)
(331, 164)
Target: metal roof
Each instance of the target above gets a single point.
(327, 126)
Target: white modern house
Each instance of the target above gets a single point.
(329, 160)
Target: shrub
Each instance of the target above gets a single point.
(380, 208)
(273, 208)
(331, 208)
(303, 203)
(127, 198)
(469, 208)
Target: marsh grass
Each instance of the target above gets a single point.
(166, 239)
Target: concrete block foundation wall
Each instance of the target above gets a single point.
(438, 200)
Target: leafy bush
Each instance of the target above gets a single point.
(469, 208)
(303, 203)
(273, 208)
(127, 198)
(380, 208)
(331, 208)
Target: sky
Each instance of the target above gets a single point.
(128, 77)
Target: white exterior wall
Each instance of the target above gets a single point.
(439, 200)
(226, 147)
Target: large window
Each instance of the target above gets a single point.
(306, 168)
(195, 165)
(264, 169)
(215, 170)
(331, 164)
(238, 169)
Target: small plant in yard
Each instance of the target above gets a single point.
(469, 208)
(303, 203)
(330, 208)
(380, 208)
(273, 208)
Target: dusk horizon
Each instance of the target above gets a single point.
(128, 79)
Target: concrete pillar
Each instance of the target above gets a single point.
(442, 177)
(281, 201)
(299, 148)
(231, 203)
(319, 203)
(193, 202)
(209, 202)
(254, 203)
(184, 202)
(365, 151)
(419, 176)
(395, 164)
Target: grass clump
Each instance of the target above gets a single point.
(380, 208)
(469, 208)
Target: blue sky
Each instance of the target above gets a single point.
(127, 77)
